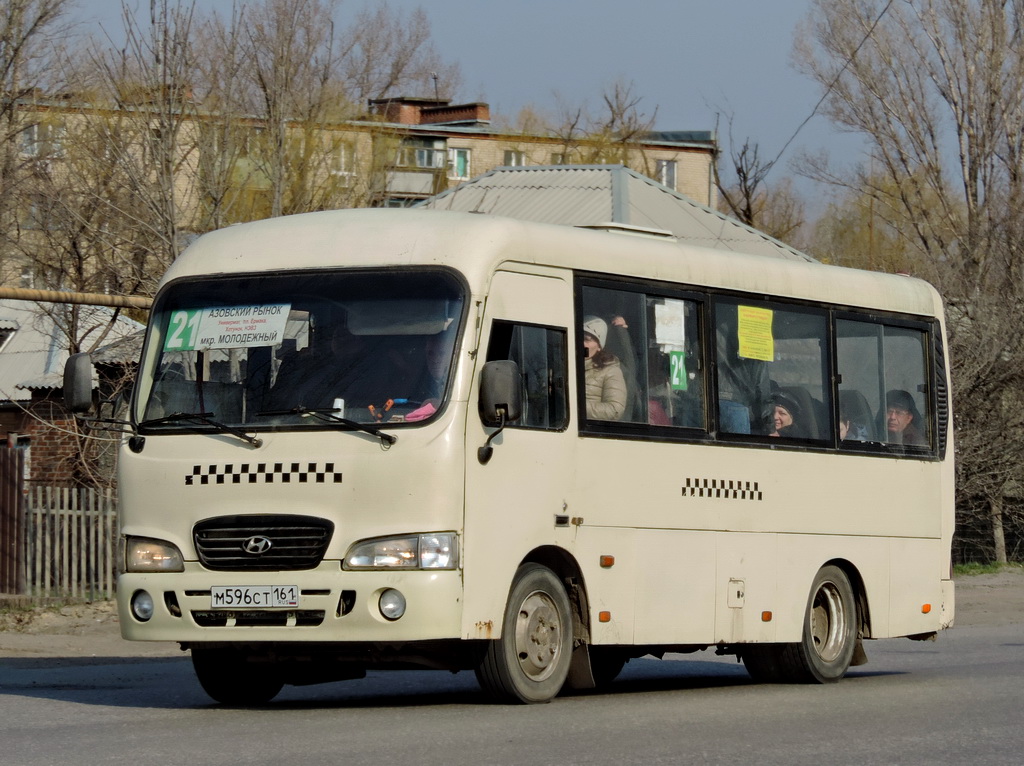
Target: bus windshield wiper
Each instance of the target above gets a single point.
(204, 418)
(327, 415)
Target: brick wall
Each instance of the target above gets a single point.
(56, 450)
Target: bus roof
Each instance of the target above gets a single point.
(476, 245)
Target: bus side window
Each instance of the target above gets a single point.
(772, 370)
(675, 382)
(907, 416)
(540, 353)
(617, 318)
(883, 391)
(744, 389)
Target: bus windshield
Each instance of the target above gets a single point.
(300, 350)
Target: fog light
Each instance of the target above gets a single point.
(392, 604)
(142, 606)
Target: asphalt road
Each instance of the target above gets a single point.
(953, 701)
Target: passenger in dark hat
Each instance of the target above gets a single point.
(786, 416)
(902, 420)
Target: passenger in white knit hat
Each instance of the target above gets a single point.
(596, 327)
(605, 384)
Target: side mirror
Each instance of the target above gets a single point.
(501, 393)
(78, 375)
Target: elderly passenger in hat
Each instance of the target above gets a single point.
(902, 420)
(786, 416)
(605, 384)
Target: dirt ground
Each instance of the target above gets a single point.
(91, 630)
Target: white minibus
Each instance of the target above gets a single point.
(371, 439)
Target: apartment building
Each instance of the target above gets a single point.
(441, 145)
(399, 151)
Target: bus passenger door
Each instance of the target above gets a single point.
(515, 500)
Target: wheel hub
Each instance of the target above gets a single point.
(828, 622)
(538, 636)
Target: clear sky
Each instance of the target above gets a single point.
(689, 59)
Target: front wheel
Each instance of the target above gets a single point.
(530, 662)
(231, 679)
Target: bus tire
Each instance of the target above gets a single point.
(229, 678)
(764, 662)
(530, 662)
(829, 637)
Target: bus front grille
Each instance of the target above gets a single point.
(260, 543)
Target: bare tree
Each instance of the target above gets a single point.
(936, 87)
(148, 134)
(610, 133)
(294, 61)
(282, 76)
(30, 31)
(741, 197)
(228, 180)
(388, 53)
(745, 193)
(855, 231)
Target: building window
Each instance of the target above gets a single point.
(343, 158)
(665, 173)
(252, 140)
(40, 213)
(458, 163)
(6, 333)
(42, 140)
(514, 159)
(422, 154)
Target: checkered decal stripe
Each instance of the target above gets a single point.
(264, 473)
(725, 489)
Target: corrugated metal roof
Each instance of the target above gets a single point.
(588, 195)
(34, 356)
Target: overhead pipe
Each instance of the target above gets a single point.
(89, 299)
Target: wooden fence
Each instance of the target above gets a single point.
(70, 543)
(12, 521)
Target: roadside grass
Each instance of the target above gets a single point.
(967, 570)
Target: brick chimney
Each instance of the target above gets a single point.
(428, 111)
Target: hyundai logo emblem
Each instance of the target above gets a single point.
(257, 546)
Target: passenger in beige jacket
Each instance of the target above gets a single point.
(605, 384)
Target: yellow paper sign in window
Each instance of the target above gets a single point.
(755, 333)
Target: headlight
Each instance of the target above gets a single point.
(144, 555)
(142, 606)
(433, 551)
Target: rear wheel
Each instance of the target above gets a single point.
(231, 679)
(829, 638)
(830, 629)
(530, 662)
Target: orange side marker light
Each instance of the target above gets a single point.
(926, 608)
(607, 562)
(766, 616)
(604, 616)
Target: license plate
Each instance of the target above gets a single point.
(253, 596)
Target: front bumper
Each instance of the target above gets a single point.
(334, 606)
